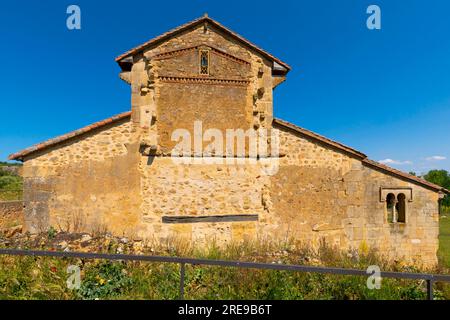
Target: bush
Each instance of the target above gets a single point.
(105, 281)
(10, 186)
(9, 182)
(45, 278)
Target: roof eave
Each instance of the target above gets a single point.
(173, 32)
(20, 156)
(404, 176)
(321, 139)
(361, 156)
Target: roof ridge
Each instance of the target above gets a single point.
(161, 36)
(193, 23)
(51, 142)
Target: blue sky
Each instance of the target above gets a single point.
(385, 92)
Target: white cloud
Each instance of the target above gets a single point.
(395, 162)
(436, 158)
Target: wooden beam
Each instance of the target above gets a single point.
(215, 218)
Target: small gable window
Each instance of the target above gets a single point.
(396, 208)
(204, 62)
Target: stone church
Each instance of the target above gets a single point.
(122, 174)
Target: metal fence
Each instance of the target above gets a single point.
(429, 278)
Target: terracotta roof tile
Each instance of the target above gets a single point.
(320, 138)
(193, 23)
(51, 142)
(366, 161)
(404, 175)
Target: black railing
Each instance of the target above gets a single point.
(429, 278)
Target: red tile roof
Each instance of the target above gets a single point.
(194, 23)
(319, 138)
(403, 175)
(277, 122)
(38, 147)
(366, 161)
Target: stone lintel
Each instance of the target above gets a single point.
(407, 191)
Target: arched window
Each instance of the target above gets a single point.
(390, 207)
(401, 208)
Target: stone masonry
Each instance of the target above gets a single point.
(118, 175)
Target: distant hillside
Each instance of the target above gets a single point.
(10, 164)
(11, 182)
(13, 168)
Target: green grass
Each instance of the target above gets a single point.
(11, 186)
(10, 164)
(45, 278)
(11, 195)
(444, 239)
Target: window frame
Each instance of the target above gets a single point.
(201, 54)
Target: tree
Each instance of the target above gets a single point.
(441, 178)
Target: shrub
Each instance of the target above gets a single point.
(45, 278)
(9, 182)
(105, 280)
(51, 233)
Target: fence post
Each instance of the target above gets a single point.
(429, 289)
(182, 269)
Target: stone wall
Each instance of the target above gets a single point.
(11, 214)
(320, 193)
(170, 189)
(317, 194)
(88, 183)
(168, 93)
(180, 105)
